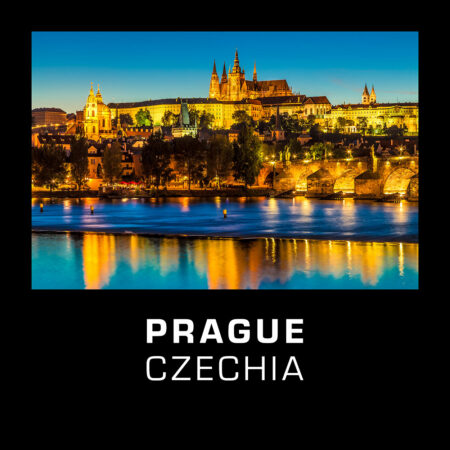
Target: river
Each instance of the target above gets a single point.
(262, 244)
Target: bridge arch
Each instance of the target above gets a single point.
(398, 180)
(346, 181)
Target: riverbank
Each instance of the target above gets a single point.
(233, 192)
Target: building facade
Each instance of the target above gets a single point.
(376, 115)
(96, 117)
(235, 87)
(48, 116)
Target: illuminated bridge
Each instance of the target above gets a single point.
(368, 177)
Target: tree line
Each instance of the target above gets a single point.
(197, 161)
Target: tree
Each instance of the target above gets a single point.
(112, 162)
(168, 118)
(362, 125)
(143, 118)
(315, 131)
(241, 117)
(79, 162)
(156, 161)
(295, 148)
(125, 119)
(48, 165)
(394, 131)
(341, 123)
(190, 156)
(310, 120)
(247, 161)
(206, 120)
(317, 150)
(194, 116)
(219, 158)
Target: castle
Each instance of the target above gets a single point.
(235, 87)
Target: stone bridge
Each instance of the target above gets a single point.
(368, 177)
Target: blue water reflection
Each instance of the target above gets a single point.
(105, 261)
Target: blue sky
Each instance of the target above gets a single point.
(136, 66)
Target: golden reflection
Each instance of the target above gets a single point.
(184, 204)
(99, 259)
(243, 264)
(401, 259)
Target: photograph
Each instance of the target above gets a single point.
(224, 160)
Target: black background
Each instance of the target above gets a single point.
(84, 353)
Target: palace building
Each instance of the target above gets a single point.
(259, 99)
(377, 115)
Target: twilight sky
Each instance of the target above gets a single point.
(137, 66)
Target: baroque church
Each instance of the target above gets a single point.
(234, 86)
(96, 116)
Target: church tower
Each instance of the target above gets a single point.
(255, 79)
(365, 96)
(234, 80)
(373, 97)
(214, 88)
(91, 116)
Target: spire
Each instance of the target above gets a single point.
(98, 92)
(236, 67)
(224, 74)
(214, 68)
(366, 91)
(373, 91)
(92, 89)
(254, 73)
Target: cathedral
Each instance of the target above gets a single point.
(234, 86)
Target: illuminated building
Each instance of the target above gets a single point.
(377, 115)
(96, 117)
(48, 116)
(259, 99)
(235, 87)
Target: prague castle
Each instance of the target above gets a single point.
(232, 93)
(259, 99)
(235, 87)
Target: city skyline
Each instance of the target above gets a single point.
(137, 66)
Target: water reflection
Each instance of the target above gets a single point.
(132, 261)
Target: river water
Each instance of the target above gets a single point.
(270, 244)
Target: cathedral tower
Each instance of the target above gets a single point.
(214, 89)
(365, 96)
(234, 80)
(373, 97)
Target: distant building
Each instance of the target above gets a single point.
(48, 116)
(377, 115)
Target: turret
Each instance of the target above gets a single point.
(373, 97)
(214, 89)
(365, 96)
(98, 96)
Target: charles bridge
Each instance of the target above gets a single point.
(368, 177)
